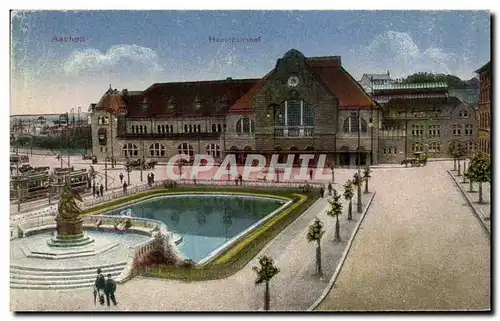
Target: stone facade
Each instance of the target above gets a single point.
(304, 105)
(484, 119)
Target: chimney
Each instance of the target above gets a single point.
(388, 75)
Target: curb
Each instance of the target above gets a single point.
(483, 223)
(342, 259)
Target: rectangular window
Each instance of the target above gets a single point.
(457, 130)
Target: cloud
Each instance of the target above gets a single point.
(116, 60)
(398, 52)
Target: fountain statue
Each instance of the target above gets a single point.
(69, 222)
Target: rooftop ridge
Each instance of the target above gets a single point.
(394, 85)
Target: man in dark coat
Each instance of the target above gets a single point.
(101, 189)
(109, 290)
(99, 285)
(152, 177)
(93, 189)
(121, 178)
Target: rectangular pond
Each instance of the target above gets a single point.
(205, 222)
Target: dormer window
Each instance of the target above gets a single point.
(144, 104)
(171, 104)
(197, 103)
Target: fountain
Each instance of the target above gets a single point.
(69, 223)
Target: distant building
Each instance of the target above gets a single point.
(422, 117)
(484, 123)
(369, 80)
(384, 92)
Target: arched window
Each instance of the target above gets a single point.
(133, 129)
(130, 149)
(214, 128)
(145, 129)
(157, 150)
(159, 129)
(384, 151)
(185, 148)
(468, 129)
(353, 123)
(435, 147)
(245, 125)
(219, 128)
(199, 128)
(416, 147)
(294, 113)
(213, 150)
(186, 128)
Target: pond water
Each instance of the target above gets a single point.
(205, 222)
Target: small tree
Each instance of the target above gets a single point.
(265, 273)
(348, 195)
(357, 183)
(452, 151)
(366, 176)
(315, 234)
(480, 171)
(336, 210)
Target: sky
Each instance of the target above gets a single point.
(134, 49)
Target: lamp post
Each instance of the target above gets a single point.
(106, 172)
(111, 138)
(128, 168)
(360, 206)
(67, 135)
(142, 163)
(79, 110)
(370, 124)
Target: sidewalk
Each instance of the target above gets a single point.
(295, 288)
(482, 211)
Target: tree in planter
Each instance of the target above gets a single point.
(265, 273)
(357, 183)
(461, 152)
(366, 176)
(452, 151)
(348, 195)
(315, 234)
(336, 210)
(480, 171)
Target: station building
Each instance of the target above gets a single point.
(303, 105)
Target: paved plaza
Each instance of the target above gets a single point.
(419, 247)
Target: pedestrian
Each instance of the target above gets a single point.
(121, 178)
(99, 285)
(236, 180)
(124, 187)
(101, 189)
(330, 188)
(311, 174)
(93, 189)
(152, 177)
(241, 179)
(149, 179)
(110, 289)
(322, 191)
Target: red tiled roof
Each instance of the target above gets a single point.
(349, 93)
(244, 104)
(214, 98)
(111, 101)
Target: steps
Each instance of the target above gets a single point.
(22, 277)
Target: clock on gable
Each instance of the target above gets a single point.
(293, 81)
